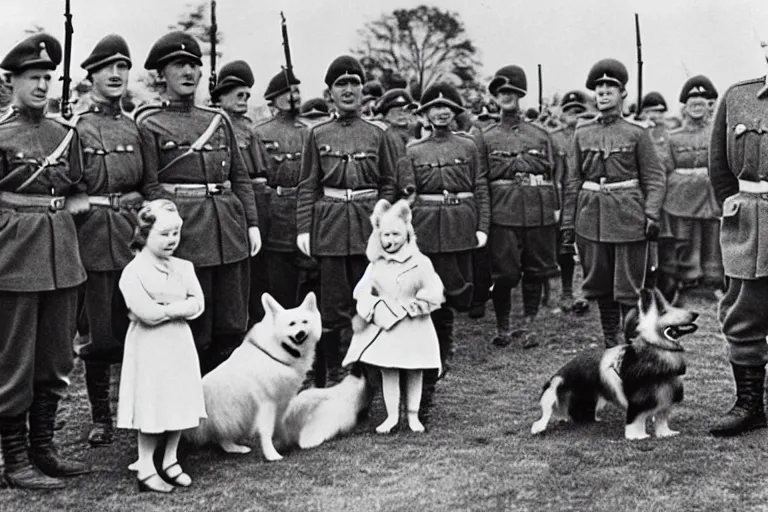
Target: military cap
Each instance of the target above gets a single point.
(344, 66)
(372, 90)
(110, 49)
(698, 85)
(39, 51)
(175, 45)
(509, 77)
(607, 70)
(441, 93)
(316, 107)
(280, 84)
(233, 74)
(653, 100)
(394, 98)
(574, 99)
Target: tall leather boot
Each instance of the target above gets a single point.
(42, 416)
(19, 471)
(748, 412)
(610, 320)
(336, 372)
(502, 307)
(97, 382)
(427, 396)
(443, 322)
(332, 351)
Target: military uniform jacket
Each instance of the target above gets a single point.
(613, 150)
(739, 151)
(446, 164)
(521, 169)
(39, 247)
(689, 192)
(282, 139)
(662, 142)
(343, 153)
(112, 164)
(215, 226)
(562, 144)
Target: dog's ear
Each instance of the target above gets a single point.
(631, 323)
(382, 206)
(271, 306)
(310, 302)
(647, 300)
(403, 210)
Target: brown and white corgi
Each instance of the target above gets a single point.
(644, 377)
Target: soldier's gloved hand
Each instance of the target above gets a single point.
(557, 215)
(568, 245)
(302, 241)
(77, 204)
(254, 237)
(482, 238)
(651, 229)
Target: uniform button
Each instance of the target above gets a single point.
(129, 148)
(120, 148)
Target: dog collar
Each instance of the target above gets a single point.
(270, 355)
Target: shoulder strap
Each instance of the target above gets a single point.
(199, 143)
(50, 159)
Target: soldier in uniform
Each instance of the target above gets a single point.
(573, 105)
(346, 167)
(396, 111)
(231, 94)
(200, 167)
(314, 111)
(738, 171)
(690, 205)
(116, 183)
(41, 188)
(613, 197)
(372, 91)
(451, 211)
(653, 108)
(524, 206)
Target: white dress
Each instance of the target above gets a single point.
(160, 384)
(393, 336)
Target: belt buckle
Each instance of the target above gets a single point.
(450, 198)
(114, 200)
(348, 194)
(603, 185)
(214, 189)
(279, 190)
(522, 179)
(57, 204)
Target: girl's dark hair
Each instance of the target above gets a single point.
(146, 219)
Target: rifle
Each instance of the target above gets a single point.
(66, 104)
(212, 36)
(288, 68)
(541, 94)
(639, 66)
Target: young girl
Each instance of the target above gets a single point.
(161, 391)
(394, 299)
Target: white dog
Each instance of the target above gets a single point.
(319, 415)
(249, 392)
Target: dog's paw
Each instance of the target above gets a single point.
(538, 427)
(230, 447)
(633, 434)
(311, 440)
(273, 457)
(666, 432)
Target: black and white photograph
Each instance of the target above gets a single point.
(399, 255)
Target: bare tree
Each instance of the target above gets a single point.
(197, 22)
(424, 45)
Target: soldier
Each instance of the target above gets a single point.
(346, 167)
(738, 170)
(201, 168)
(451, 212)
(395, 108)
(524, 206)
(489, 114)
(40, 267)
(231, 94)
(690, 205)
(573, 106)
(315, 111)
(372, 91)
(613, 196)
(116, 183)
(653, 108)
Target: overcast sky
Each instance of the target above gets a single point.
(717, 38)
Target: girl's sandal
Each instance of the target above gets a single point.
(178, 477)
(146, 486)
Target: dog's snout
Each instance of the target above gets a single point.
(300, 337)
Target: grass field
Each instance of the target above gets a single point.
(477, 455)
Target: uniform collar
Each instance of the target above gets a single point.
(107, 108)
(347, 118)
(183, 105)
(608, 118)
(511, 118)
(33, 114)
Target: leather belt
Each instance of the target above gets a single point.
(696, 171)
(616, 185)
(37, 201)
(525, 180)
(197, 189)
(285, 191)
(753, 187)
(108, 201)
(259, 180)
(346, 194)
(446, 197)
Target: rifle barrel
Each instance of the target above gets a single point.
(66, 79)
(639, 66)
(541, 92)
